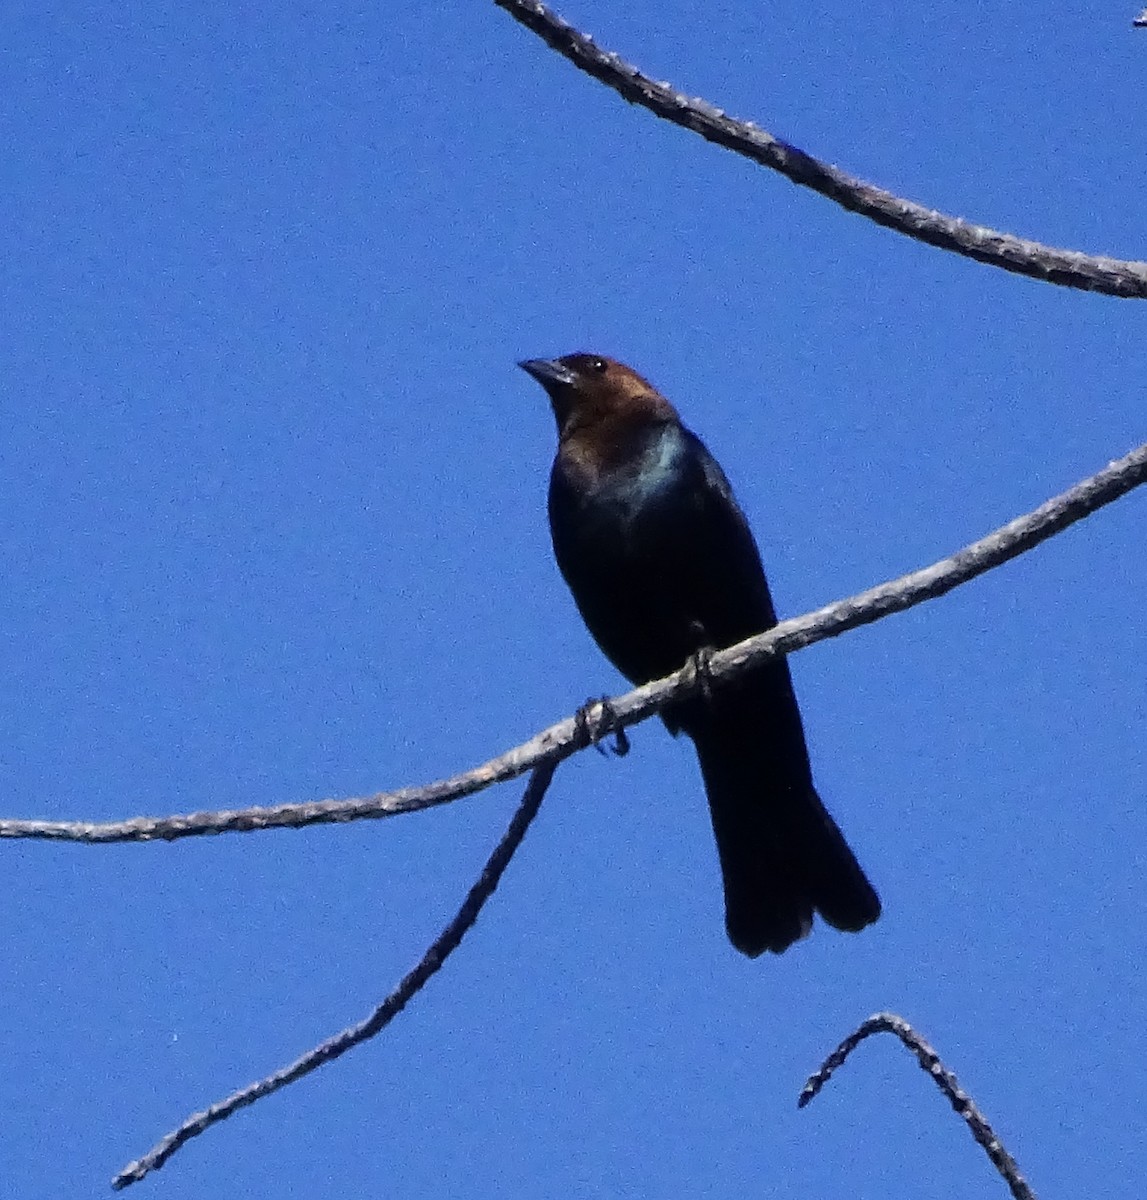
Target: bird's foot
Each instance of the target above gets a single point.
(595, 721)
(700, 665)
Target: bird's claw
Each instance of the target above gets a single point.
(700, 666)
(595, 721)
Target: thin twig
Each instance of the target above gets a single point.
(959, 1099)
(334, 1047)
(1068, 268)
(565, 738)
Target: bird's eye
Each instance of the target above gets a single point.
(598, 365)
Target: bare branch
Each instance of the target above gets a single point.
(565, 738)
(1068, 268)
(444, 945)
(959, 1099)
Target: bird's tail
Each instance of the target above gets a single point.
(782, 855)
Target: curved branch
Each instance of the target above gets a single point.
(565, 738)
(930, 1061)
(443, 946)
(1068, 268)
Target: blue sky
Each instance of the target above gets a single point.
(272, 496)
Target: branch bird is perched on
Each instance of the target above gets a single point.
(662, 565)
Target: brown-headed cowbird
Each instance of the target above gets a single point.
(663, 567)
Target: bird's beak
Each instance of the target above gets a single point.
(548, 371)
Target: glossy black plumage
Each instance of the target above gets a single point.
(662, 563)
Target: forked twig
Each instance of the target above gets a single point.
(560, 741)
(338, 1045)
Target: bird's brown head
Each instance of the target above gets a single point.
(585, 389)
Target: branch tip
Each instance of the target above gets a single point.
(1068, 268)
(929, 1060)
(415, 980)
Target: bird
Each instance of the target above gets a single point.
(664, 570)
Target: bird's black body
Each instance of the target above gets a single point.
(662, 564)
